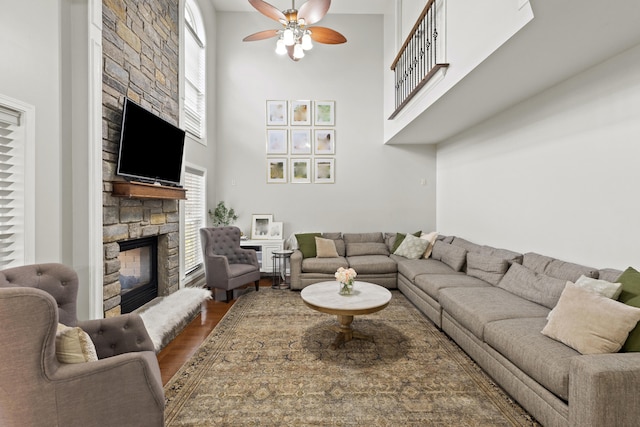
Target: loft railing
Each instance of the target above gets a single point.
(417, 60)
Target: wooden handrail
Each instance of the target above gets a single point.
(411, 33)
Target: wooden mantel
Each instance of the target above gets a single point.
(141, 190)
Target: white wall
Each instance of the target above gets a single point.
(378, 187)
(30, 72)
(557, 174)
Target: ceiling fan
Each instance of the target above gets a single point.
(295, 36)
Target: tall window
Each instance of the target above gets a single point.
(16, 184)
(194, 64)
(194, 217)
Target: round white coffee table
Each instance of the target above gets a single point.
(366, 298)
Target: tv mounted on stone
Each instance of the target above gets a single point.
(151, 148)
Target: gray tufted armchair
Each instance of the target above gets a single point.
(228, 266)
(122, 388)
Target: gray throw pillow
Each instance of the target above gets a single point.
(535, 287)
(486, 267)
(453, 256)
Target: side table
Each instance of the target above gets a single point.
(280, 259)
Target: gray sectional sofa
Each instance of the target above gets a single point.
(494, 304)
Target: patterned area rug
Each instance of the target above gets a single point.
(268, 363)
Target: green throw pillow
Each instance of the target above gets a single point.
(399, 238)
(630, 295)
(307, 244)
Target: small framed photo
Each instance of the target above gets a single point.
(325, 113)
(300, 141)
(301, 113)
(300, 171)
(275, 231)
(276, 170)
(276, 113)
(324, 141)
(324, 171)
(277, 141)
(261, 226)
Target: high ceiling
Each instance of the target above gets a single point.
(337, 6)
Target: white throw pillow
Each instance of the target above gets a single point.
(589, 322)
(73, 345)
(412, 247)
(602, 287)
(431, 238)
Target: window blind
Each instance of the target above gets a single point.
(12, 245)
(194, 218)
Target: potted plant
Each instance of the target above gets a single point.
(222, 216)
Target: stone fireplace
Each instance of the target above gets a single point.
(140, 48)
(138, 272)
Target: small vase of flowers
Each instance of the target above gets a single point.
(345, 277)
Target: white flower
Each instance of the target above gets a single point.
(344, 275)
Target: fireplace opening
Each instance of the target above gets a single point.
(138, 272)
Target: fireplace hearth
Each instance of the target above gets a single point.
(138, 272)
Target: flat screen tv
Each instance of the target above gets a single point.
(151, 148)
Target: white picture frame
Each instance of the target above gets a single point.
(325, 113)
(277, 113)
(301, 113)
(275, 230)
(277, 142)
(300, 170)
(324, 141)
(277, 170)
(261, 226)
(300, 141)
(324, 170)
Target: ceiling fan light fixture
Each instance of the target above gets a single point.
(288, 37)
(298, 52)
(306, 41)
(281, 48)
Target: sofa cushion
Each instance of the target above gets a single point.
(486, 267)
(453, 256)
(469, 246)
(533, 286)
(337, 240)
(630, 295)
(589, 322)
(556, 268)
(362, 237)
(544, 359)
(372, 264)
(474, 307)
(599, 286)
(399, 239)
(431, 238)
(307, 244)
(367, 248)
(412, 247)
(325, 248)
(323, 265)
(505, 254)
(609, 274)
(431, 284)
(73, 345)
(410, 268)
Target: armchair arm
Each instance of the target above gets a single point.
(124, 390)
(596, 383)
(118, 335)
(216, 269)
(296, 269)
(248, 256)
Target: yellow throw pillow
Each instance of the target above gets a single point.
(73, 345)
(589, 322)
(326, 248)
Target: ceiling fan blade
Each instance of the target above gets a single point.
(261, 35)
(313, 11)
(326, 35)
(290, 53)
(268, 10)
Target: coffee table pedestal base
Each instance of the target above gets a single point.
(346, 332)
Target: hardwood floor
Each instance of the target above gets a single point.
(178, 351)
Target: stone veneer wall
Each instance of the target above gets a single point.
(140, 61)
